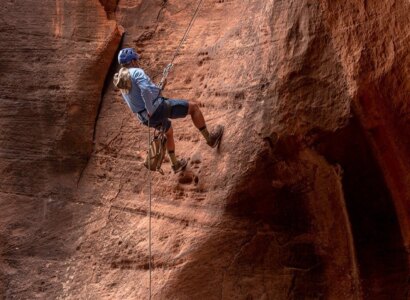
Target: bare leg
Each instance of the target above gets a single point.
(177, 165)
(212, 139)
(170, 139)
(196, 115)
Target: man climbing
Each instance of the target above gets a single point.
(145, 100)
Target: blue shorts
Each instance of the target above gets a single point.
(168, 109)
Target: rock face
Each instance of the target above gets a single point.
(321, 212)
(54, 60)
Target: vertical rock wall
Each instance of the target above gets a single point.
(372, 40)
(54, 58)
(320, 213)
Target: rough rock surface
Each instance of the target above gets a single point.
(322, 213)
(54, 60)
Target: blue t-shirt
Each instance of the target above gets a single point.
(143, 92)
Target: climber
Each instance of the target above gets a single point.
(145, 100)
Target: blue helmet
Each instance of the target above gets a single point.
(127, 55)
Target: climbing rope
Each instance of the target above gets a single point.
(161, 85)
(149, 211)
(170, 65)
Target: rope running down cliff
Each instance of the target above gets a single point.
(149, 211)
(161, 84)
(170, 65)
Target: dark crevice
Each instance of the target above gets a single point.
(107, 84)
(83, 168)
(379, 245)
(110, 6)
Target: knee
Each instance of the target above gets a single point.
(193, 107)
(169, 132)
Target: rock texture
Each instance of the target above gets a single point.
(320, 213)
(54, 59)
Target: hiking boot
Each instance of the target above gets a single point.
(215, 136)
(179, 166)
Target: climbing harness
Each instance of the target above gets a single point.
(168, 68)
(159, 144)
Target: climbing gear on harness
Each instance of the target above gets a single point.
(215, 136)
(126, 55)
(170, 65)
(156, 152)
(179, 166)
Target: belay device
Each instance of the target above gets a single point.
(156, 152)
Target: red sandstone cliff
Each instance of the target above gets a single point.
(321, 214)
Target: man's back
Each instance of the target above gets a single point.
(143, 92)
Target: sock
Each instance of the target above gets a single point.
(172, 157)
(205, 133)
